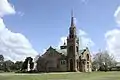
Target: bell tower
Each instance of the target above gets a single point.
(72, 47)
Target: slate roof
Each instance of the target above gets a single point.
(63, 51)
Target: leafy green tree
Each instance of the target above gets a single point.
(1, 58)
(27, 61)
(31, 65)
(1, 62)
(18, 65)
(8, 65)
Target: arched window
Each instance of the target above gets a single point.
(80, 58)
(63, 62)
(71, 35)
(71, 48)
(87, 57)
(77, 48)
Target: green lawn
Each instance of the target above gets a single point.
(62, 76)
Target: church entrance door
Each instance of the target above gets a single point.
(71, 65)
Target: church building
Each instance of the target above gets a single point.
(68, 58)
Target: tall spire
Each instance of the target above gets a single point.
(72, 18)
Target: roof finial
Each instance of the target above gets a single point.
(72, 18)
(64, 43)
(72, 14)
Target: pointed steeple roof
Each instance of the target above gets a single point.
(72, 19)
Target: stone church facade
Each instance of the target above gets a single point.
(68, 57)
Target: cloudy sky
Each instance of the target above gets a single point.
(28, 28)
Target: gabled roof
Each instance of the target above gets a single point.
(60, 52)
(82, 51)
(63, 51)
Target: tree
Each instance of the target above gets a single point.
(18, 65)
(1, 62)
(8, 65)
(28, 61)
(1, 65)
(1, 58)
(31, 65)
(103, 60)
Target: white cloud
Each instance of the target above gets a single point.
(14, 46)
(6, 8)
(62, 40)
(82, 33)
(75, 21)
(117, 16)
(84, 40)
(20, 13)
(113, 37)
(113, 44)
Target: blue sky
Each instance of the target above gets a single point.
(45, 21)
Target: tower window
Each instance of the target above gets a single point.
(71, 48)
(70, 31)
(71, 36)
(77, 48)
(87, 57)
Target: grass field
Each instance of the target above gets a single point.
(62, 76)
